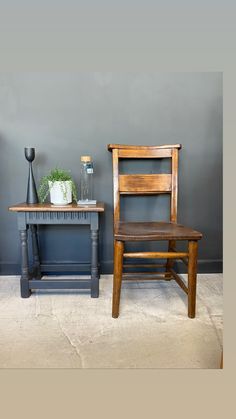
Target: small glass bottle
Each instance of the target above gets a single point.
(86, 181)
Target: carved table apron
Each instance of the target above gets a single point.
(29, 216)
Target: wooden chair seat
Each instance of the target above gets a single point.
(147, 231)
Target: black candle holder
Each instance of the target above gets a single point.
(32, 196)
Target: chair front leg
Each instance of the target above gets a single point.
(117, 276)
(192, 277)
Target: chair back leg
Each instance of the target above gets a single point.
(170, 262)
(117, 276)
(221, 360)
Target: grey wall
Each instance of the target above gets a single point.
(65, 115)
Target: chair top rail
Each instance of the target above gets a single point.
(110, 147)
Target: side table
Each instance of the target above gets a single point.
(29, 216)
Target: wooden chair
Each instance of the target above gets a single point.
(151, 184)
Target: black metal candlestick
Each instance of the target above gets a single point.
(32, 196)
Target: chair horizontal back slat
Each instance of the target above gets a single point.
(144, 183)
(144, 153)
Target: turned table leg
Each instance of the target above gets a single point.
(35, 249)
(94, 257)
(24, 282)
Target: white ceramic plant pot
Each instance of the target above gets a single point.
(60, 192)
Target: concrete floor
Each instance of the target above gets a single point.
(68, 329)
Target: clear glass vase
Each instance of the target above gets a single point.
(86, 181)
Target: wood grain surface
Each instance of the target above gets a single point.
(99, 207)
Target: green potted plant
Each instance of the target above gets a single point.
(60, 185)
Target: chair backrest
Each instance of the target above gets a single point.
(145, 184)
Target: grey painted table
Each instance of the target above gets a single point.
(30, 216)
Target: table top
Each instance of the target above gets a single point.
(74, 207)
